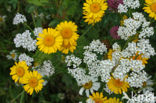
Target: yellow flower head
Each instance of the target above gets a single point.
(98, 97)
(33, 81)
(117, 86)
(68, 31)
(150, 8)
(139, 57)
(18, 71)
(94, 10)
(113, 100)
(69, 47)
(49, 41)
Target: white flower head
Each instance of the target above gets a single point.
(19, 18)
(38, 30)
(24, 40)
(12, 55)
(137, 79)
(47, 69)
(73, 61)
(26, 58)
(132, 4)
(90, 86)
(97, 47)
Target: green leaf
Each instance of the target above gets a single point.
(38, 2)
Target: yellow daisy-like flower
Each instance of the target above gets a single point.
(49, 41)
(98, 97)
(69, 47)
(117, 86)
(68, 31)
(113, 100)
(33, 81)
(18, 71)
(94, 10)
(150, 8)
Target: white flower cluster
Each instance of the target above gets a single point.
(96, 46)
(143, 47)
(132, 4)
(26, 58)
(92, 64)
(47, 69)
(24, 40)
(134, 69)
(137, 79)
(146, 97)
(37, 31)
(105, 69)
(73, 61)
(79, 74)
(131, 25)
(122, 65)
(19, 18)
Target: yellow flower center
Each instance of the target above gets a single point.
(66, 33)
(20, 71)
(144, 84)
(95, 7)
(13, 55)
(153, 7)
(49, 40)
(33, 82)
(36, 64)
(118, 83)
(98, 100)
(88, 85)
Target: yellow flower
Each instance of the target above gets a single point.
(98, 97)
(150, 8)
(117, 86)
(139, 57)
(113, 100)
(18, 71)
(33, 81)
(68, 31)
(69, 47)
(122, 21)
(49, 41)
(94, 10)
(109, 55)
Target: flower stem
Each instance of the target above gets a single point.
(86, 31)
(22, 93)
(25, 24)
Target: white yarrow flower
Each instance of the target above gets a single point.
(26, 58)
(47, 69)
(24, 40)
(19, 18)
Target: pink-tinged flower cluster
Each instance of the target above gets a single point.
(113, 32)
(113, 4)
